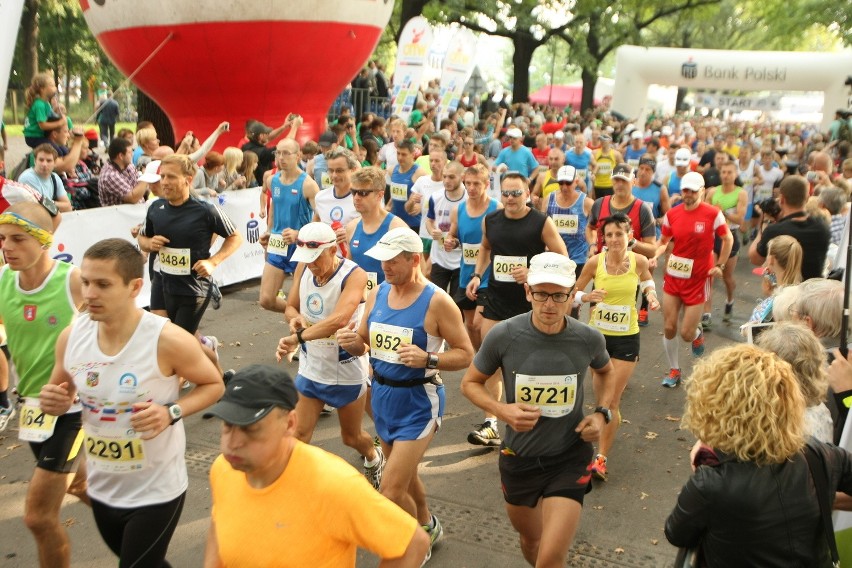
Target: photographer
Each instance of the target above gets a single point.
(813, 234)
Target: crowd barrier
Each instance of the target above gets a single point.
(81, 229)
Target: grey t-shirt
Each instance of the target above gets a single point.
(544, 370)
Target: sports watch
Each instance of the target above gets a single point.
(175, 413)
(607, 413)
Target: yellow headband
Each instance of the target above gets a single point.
(41, 235)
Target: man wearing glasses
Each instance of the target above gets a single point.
(333, 205)
(544, 459)
(510, 237)
(293, 193)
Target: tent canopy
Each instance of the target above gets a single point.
(563, 95)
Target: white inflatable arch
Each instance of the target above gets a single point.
(638, 67)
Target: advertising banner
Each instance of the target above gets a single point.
(411, 61)
(458, 67)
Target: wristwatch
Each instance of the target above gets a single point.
(175, 413)
(431, 361)
(607, 413)
(475, 275)
(299, 333)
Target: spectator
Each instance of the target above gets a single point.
(233, 179)
(43, 179)
(833, 199)
(107, 113)
(208, 180)
(147, 140)
(118, 183)
(260, 135)
(248, 167)
(40, 117)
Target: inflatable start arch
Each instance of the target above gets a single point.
(638, 67)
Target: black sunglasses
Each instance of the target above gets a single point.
(362, 192)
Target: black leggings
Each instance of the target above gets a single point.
(139, 537)
(186, 311)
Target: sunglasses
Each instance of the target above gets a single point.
(312, 244)
(363, 192)
(512, 193)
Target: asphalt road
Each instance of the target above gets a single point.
(622, 522)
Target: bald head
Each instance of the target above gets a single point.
(822, 162)
(33, 212)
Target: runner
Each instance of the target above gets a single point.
(606, 158)
(402, 179)
(328, 294)
(582, 158)
(125, 365)
(39, 296)
(650, 192)
(333, 206)
(544, 461)
(686, 283)
(510, 237)
(408, 320)
(617, 274)
(545, 183)
(446, 265)
(293, 193)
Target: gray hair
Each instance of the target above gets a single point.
(796, 344)
(832, 198)
(822, 301)
(351, 161)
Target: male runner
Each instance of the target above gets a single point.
(446, 265)
(408, 320)
(333, 205)
(545, 458)
(125, 364)
(693, 227)
(39, 296)
(402, 179)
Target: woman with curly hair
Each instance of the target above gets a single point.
(751, 500)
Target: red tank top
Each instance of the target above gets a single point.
(606, 212)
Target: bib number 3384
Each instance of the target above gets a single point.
(555, 395)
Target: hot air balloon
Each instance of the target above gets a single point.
(212, 60)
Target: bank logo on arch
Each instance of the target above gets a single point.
(689, 70)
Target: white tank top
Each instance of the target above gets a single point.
(124, 470)
(323, 360)
(330, 208)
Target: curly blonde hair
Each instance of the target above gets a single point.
(795, 343)
(747, 402)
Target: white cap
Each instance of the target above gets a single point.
(667, 130)
(514, 133)
(636, 135)
(152, 172)
(315, 237)
(682, 157)
(559, 134)
(566, 173)
(395, 241)
(693, 181)
(552, 268)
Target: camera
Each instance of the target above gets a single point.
(769, 207)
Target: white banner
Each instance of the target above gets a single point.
(410, 63)
(81, 229)
(458, 66)
(725, 102)
(10, 21)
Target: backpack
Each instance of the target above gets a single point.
(19, 169)
(844, 132)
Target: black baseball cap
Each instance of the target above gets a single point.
(648, 161)
(252, 394)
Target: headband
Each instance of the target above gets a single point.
(41, 235)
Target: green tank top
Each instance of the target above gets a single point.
(726, 201)
(34, 319)
(616, 315)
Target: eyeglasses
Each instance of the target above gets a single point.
(557, 297)
(512, 193)
(312, 244)
(563, 182)
(283, 153)
(363, 192)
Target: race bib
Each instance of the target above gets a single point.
(604, 168)
(33, 424)
(277, 245)
(581, 174)
(553, 394)
(611, 318)
(679, 267)
(503, 266)
(372, 280)
(566, 224)
(732, 211)
(325, 180)
(633, 163)
(385, 339)
(470, 253)
(113, 450)
(399, 191)
(175, 261)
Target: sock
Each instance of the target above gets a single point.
(670, 346)
(697, 333)
(431, 524)
(4, 399)
(492, 422)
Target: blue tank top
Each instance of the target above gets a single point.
(632, 155)
(362, 242)
(290, 209)
(320, 170)
(651, 195)
(411, 317)
(398, 205)
(575, 241)
(470, 233)
(581, 164)
(674, 184)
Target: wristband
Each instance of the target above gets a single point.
(578, 297)
(299, 333)
(648, 286)
(475, 275)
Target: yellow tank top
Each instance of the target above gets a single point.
(616, 315)
(549, 185)
(605, 166)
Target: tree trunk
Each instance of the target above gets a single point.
(590, 79)
(524, 46)
(68, 79)
(29, 35)
(149, 110)
(409, 9)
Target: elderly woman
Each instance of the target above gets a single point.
(751, 500)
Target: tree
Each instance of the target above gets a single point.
(28, 40)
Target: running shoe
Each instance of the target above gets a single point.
(729, 309)
(212, 342)
(377, 442)
(672, 379)
(374, 473)
(599, 467)
(643, 318)
(485, 435)
(706, 321)
(698, 344)
(436, 533)
(326, 410)
(6, 415)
